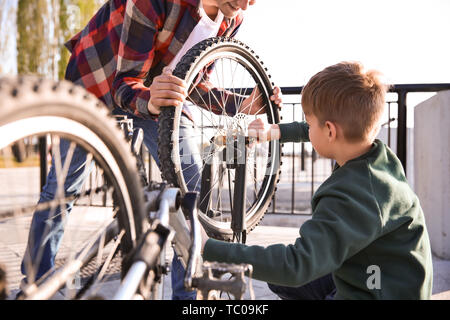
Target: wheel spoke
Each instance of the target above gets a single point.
(235, 74)
(33, 221)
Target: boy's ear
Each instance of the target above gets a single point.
(332, 130)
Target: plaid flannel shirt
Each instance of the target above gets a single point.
(128, 43)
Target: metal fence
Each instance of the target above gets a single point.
(302, 169)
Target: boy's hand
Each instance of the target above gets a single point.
(254, 103)
(263, 131)
(277, 97)
(166, 91)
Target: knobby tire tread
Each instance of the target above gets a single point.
(166, 128)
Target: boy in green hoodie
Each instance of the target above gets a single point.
(367, 237)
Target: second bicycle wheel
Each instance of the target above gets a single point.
(195, 141)
(98, 217)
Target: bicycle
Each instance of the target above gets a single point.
(144, 265)
(36, 110)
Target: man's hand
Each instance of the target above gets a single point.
(166, 91)
(254, 103)
(277, 97)
(263, 131)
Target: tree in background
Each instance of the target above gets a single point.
(32, 26)
(73, 16)
(67, 28)
(43, 28)
(8, 30)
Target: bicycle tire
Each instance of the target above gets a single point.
(30, 100)
(197, 58)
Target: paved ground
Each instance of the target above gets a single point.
(274, 229)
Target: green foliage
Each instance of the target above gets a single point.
(43, 28)
(31, 33)
(65, 34)
(87, 9)
(71, 22)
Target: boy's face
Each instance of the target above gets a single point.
(318, 135)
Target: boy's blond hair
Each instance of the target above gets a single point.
(348, 95)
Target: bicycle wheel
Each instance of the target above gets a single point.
(233, 70)
(107, 215)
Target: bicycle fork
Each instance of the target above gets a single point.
(234, 155)
(240, 191)
(208, 280)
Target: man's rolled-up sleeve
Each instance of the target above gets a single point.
(135, 57)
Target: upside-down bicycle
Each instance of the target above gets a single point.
(120, 223)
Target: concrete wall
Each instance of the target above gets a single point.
(432, 168)
(383, 136)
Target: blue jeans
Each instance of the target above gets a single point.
(320, 289)
(50, 223)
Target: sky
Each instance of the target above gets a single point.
(407, 40)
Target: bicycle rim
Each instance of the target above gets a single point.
(237, 70)
(107, 213)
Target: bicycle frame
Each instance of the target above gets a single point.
(167, 209)
(144, 266)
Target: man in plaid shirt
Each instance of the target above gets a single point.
(125, 47)
(124, 57)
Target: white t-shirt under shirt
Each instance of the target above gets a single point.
(206, 28)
